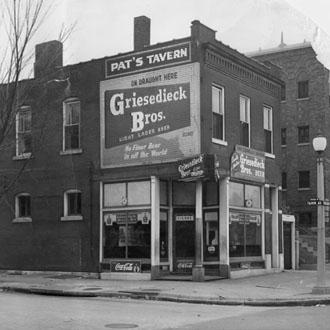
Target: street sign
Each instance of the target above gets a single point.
(317, 201)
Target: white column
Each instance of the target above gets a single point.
(155, 227)
(224, 227)
(275, 232)
(198, 270)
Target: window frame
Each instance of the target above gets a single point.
(22, 217)
(218, 111)
(303, 89)
(268, 128)
(284, 181)
(301, 131)
(301, 180)
(66, 150)
(245, 118)
(283, 137)
(66, 214)
(25, 132)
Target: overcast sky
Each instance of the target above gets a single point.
(105, 27)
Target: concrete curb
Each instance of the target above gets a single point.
(173, 298)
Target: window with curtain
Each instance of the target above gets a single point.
(71, 125)
(245, 121)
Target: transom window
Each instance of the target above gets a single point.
(71, 124)
(23, 132)
(124, 194)
(218, 113)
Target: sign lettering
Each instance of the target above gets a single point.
(248, 164)
(147, 59)
(125, 266)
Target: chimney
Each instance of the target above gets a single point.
(48, 57)
(141, 32)
(201, 32)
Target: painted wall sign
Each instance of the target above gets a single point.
(248, 164)
(125, 266)
(147, 60)
(149, 118)
(195, 168)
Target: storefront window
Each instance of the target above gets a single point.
(244, 223)
(211, 236)
(244, 234)
(127, 234)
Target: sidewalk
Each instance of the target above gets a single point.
(289, 288)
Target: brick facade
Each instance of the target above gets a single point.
(52, 241)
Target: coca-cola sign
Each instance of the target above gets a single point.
(184, 265)
(125, 266)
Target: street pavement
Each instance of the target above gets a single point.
(287, 288)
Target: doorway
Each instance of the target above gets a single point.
(287, 237)
(184, 240)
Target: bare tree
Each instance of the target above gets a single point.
(20, 22)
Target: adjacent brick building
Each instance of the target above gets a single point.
(305, 112)
(162, 160)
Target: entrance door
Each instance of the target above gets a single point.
(287, 233)
(184, 240)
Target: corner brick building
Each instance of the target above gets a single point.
(163, 160)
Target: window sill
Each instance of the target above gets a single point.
(70, 152)
(283, 146)
(303, 189)
(303, 144)
(22, 156)
(72, 218)
(221, 142)
(303, 99)
(21, 220)
(269, 155)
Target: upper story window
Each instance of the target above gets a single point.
(303, 89)
(283, 93)
(283, 136)
(71, 125)
(23, 132)
(303, 134)
(218, 113)
(304, 180)
(23, 208)
(72, 205)
(245, 121)
(268, 129)
(284, 181)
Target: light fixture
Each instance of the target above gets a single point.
(319, 143)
